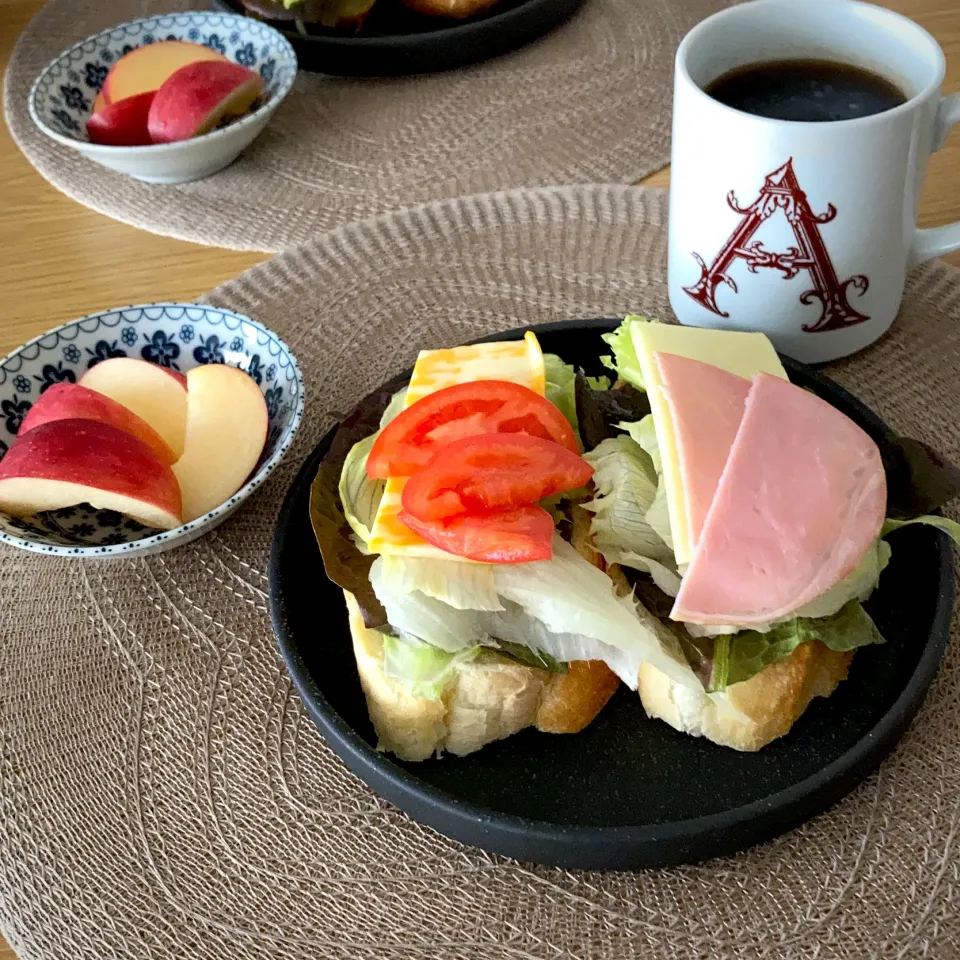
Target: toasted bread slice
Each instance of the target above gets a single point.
(487, 699)
(747, 715)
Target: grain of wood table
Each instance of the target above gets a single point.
(61, 260)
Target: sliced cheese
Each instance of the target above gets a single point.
(519, 361)
(742, 354)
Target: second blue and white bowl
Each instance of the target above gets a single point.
(61, 99)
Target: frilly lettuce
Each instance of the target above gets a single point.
(564, 390)
(658, 516)
(561, 388)
(625, 361)
(359, 494)
(857, 586)
(626, 483)
(393, 407)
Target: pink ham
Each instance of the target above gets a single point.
(800, 501)
(706, 406)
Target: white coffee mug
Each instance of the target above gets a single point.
(804, 231)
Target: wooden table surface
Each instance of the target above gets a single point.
(61, 260)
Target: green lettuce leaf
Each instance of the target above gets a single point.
(561, 389)
(950, 527)
(359, 494)
(742, 655)
(598, 383)
(393, 407)
(857, 586)
(626, 485)
(625, 361)
(424, 670)
(658, 514)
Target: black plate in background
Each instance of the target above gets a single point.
(627, 792)
(395, 41)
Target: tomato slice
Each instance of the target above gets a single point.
(410, 440)
(497, 471)
(503, 536)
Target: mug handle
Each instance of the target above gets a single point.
(937, 241)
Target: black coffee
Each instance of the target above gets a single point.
(808, 90)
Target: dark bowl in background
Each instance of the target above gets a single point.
(395, 41)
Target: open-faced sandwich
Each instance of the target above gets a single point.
(515, 539)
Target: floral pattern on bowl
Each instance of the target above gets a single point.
(62, 97)
(174, 335)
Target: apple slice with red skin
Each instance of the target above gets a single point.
(156, 394)
(144, 69)
(71, 401)
(194, 99)
(226, 430)
(122, 124)
(100, 102)
(67, 462)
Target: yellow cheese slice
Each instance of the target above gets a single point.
(519, 361)
(742, 354)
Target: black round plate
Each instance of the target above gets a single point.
(628, 791)
(395, 41)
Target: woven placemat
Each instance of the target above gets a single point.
(588, 103)
(163, 793)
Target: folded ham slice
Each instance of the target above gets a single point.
(706, 406)
(801, 499)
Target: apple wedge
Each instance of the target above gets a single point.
(122, 124)
(66, 462)
(156, 394)
(70, 401)
(197, 97)
(100, 103)
(226, 431)
(144, 70)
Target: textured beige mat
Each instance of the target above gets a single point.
(163, 793)
(588, 103)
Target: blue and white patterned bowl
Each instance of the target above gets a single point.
(61, 99)
(177, 335)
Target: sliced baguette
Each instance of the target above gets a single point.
(747, 715)
(488, 698)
